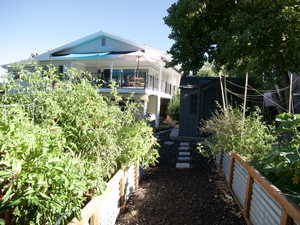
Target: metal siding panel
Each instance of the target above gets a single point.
(239, 181)
(110, 210)
(264, 210)
(218, 159)
(129, 182)
(226, 164)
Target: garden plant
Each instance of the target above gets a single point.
(272, 149)
(61, 141)
(173, 107)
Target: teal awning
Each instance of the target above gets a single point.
(82, 56)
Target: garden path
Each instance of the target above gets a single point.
(170, 196)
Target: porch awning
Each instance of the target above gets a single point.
(82, 56)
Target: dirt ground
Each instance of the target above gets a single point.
(170, 196)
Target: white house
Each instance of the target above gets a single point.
(138, 70)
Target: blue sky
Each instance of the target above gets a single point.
(29, 26)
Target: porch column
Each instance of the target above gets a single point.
(157, 111)
(145, 107)
(111, 70)
(160, 77)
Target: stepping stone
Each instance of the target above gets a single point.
(183, 165)
(169, 142)
(184, 153)
(184, 144)
(187, 158)
(184, 148)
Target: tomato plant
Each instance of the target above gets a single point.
(64, 148)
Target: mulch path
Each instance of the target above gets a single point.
(168, 196)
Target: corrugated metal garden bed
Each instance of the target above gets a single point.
(260, 201)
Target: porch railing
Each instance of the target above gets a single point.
(149, 82)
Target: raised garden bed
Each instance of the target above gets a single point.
(260, 201)
(104, 209)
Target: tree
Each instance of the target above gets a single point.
(207, 70)
(261, 37)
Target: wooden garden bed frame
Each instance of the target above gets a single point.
(93, 212)
(290, 213)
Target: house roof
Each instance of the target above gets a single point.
(91, 37)
(148, 53)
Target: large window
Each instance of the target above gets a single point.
(117, 77)
(134, 78)
(127, 78)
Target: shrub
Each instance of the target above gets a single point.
(61, 150)
(273, 151)
(251, 138)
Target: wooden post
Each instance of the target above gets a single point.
(245, 99)
(136, 175)
(291, 90)
(230, 177)
(285, 219)
(222, 90)
(122, 192)
(248, 193)
(95, 219)
(225, 92)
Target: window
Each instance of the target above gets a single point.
(60, 69)
(117, 76)
(103, 41)
(106, 75)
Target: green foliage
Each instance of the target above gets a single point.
(59, 152)
(251, 138)
(207, 70)
(282, 164)
(174, 107)
(260, 37)
(273, 151)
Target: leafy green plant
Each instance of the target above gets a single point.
(174, 107)
(282, 164)
(59, 152)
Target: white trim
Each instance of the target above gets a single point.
(122, 90)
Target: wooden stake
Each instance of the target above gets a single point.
(290, 98)
(223, 96)
(245, 99)
(225, 92)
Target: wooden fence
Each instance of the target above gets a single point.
(260, 201)
(104, 209)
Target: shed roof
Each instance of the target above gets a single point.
(195, 81)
